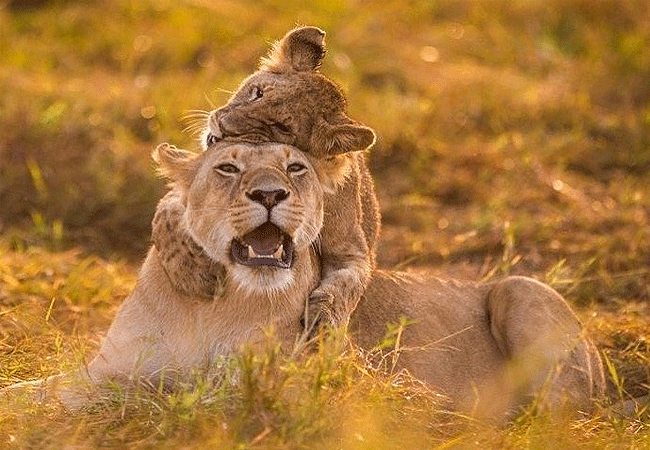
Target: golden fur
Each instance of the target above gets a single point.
(488, 347)
(491, 348)
(289, 101)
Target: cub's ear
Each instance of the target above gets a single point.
(175, 164)
(300, 50)
(349, 138)
(342, 138)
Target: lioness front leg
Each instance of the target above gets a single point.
(549, 356)
(64, 389)
(143, 345)
(73, 390)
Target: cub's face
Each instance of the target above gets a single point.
(291, 108)
(290, 102)
(254, 209)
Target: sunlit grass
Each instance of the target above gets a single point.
(56, 304)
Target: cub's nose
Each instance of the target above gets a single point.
(268, 198)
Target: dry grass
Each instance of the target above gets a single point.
(513, 139)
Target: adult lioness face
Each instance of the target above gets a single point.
(254, 209)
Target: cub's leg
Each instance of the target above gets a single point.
(190, 270)
(346, 260)
(549, 357)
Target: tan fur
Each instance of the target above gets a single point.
(488, 347)
(491, 348)
(288, 101)
(160, 333)
(184, 261)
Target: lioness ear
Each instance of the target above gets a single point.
(343, 138)
(175, 164)
(301, 50)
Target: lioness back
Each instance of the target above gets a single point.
(490, 348)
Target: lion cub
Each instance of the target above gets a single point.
(290, 102)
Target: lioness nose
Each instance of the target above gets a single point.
(268, 198)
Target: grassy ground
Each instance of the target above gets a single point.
(513, 138)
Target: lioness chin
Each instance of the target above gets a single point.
(258, 211)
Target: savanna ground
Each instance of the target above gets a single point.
(513, 138)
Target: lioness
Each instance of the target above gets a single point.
(289, 101)
(258, 211)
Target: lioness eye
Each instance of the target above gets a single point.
(256, 93)
(296, 167)
(227, 168)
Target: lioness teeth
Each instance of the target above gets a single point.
(277, 254)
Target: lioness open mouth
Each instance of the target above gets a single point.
(266, 245)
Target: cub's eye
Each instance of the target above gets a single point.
(256, 93)
(227, 168)
(282, 127)
(296, 168)
(210, 140)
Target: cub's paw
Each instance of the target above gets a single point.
(320, 313)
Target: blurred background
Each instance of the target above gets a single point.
(513, 137)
